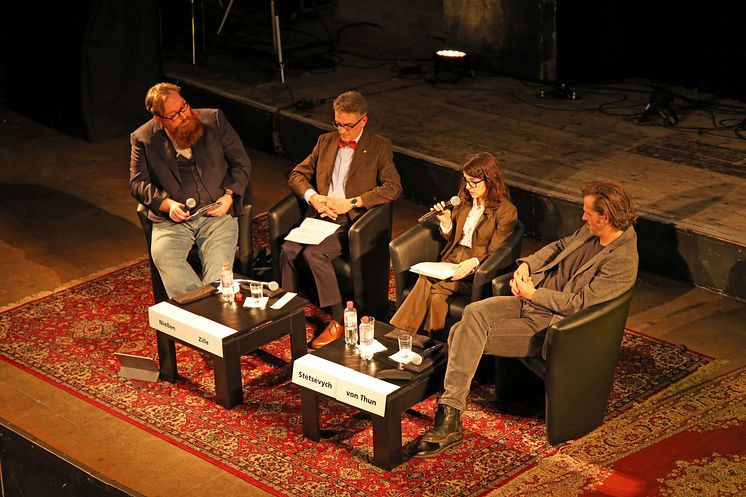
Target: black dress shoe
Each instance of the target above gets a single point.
(447, 427)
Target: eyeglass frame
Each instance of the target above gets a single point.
(183, 109)
(348, 127)
(472, 184)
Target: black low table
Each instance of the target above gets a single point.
(254, 328)
(387, 443)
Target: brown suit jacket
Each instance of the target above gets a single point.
(495, 226)
(372, 175)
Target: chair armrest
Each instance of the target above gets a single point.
(369, 238)
(501, 261)
(145, 222)
(418, 244)
(245, 248)
(501, 285)
(281, 218)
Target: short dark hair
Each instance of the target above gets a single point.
(612, 199)
(351, 101)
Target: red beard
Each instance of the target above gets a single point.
(188, 132)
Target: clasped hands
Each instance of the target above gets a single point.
(330, 207)
(521, 284)
(179, 212)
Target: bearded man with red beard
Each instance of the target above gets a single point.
(182, 154)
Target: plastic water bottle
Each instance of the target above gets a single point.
(226, 282)
(350, 319)
(367, 327)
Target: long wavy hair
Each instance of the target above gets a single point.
(484, 165)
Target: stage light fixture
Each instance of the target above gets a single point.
(659, 107)
(450, 65)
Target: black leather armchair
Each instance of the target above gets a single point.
(577, 364)
(244, 250)
(362, 272)
(423, 243)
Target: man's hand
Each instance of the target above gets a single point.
(523, 288)
(176, 211)
(319, 202)
(339, 205)
(225, 202)
(523, 273)
(465, 268)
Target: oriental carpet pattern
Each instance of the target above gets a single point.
(69, 339)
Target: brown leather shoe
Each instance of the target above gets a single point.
(333, 331)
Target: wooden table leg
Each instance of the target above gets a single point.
(228, 381)
(166, 357)
(387, 449)
(309, 403)
(298, 344)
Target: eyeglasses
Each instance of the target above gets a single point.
(472, 184)
(177, 113)
(348, 127)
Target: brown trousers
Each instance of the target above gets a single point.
(426, 305)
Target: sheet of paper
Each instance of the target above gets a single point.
(440, 270)
(312, 231)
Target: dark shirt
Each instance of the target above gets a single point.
(192, 185)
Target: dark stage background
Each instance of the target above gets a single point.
(82, 66)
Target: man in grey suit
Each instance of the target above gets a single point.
(188, 156)
(596, 263)
(348, 171)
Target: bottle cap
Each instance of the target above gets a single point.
(350, 304)
(365, 319)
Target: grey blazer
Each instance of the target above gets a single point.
(220, 156)
(605, 276)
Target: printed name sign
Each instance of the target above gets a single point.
(364, 392)
(196, 330)
(317, 374)
(342, 383)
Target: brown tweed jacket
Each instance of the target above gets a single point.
(372, 174)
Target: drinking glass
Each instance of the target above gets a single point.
(256, 292)
(405, 346)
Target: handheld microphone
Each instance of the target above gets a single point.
(453, 202)
(271, 285)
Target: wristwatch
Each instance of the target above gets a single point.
(354, 201)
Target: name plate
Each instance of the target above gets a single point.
(317, 374)
(364, 392)
(195, 330)
(342, 383)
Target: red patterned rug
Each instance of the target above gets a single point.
(69, 339)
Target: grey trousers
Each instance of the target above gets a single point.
(498, 326)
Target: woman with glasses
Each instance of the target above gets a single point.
(474, 229)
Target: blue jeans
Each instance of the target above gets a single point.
(216, 239)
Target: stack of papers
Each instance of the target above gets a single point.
(312, 231)
(439, 270)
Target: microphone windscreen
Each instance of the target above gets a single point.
(455, 200)
(190, 203)
(415, 358)
(273, 286)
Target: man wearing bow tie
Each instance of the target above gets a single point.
(347, 172)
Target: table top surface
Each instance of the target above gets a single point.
(239, 318)
(348, 356)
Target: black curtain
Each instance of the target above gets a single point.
(693, 44)
(81, 66)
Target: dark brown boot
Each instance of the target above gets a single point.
(446, 432)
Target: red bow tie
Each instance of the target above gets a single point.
(351, 144)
